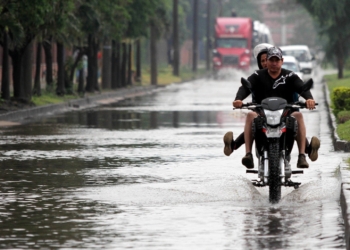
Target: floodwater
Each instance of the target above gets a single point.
(150, 173)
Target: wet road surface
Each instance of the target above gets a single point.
(150, 173)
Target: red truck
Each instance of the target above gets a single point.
(233, 43)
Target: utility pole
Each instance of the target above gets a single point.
(176, 51)
(195, 36)
(208, 35)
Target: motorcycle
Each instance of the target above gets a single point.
(274, 131)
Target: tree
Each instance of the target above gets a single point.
(100, 20)
(20, 33)
(334, 18)
(5, 83)
(37, 77)
(147, 15)
(27, 20)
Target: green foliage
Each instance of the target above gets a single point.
(166, 76)
(117, 19)
(141, 12)
(341, 98)
(333, 81)
(347, 64)
(343, 131)
(50, 97)
(334, 22)
(343, 116)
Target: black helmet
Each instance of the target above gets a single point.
(259, 50)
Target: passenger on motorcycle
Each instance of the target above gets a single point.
(260, 53)
(279, 82)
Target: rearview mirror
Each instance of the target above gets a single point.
(246, 83)
(308, 85)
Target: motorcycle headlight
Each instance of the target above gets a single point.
(273, 117)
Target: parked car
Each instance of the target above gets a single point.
(303, 55)
(291, 63)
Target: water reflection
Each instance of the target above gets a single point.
(149, 173)
(35, 211)
(125, 120)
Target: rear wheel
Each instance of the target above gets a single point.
(274, 173)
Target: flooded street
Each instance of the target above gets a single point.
(150, 173)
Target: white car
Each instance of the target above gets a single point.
(291, 63)
(303, 55)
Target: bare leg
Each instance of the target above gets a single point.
(301, 134)
(248, 137)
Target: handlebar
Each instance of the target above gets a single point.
(301, 105)
(252, 105)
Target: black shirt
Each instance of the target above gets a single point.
(264, 86)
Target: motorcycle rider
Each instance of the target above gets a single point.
(260, 53)
(274, 81)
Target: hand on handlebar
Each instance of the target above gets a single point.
(310, 104)
(237, 104)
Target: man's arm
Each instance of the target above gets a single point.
(310, 102)
(298, 84)
(243, 92)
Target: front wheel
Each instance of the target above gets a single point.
(274, 173)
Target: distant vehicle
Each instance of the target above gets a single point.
(235, 38)
(261, 34)
(303, 55)
(291, 63)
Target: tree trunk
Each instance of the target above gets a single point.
(176, 60)
(60, 70)
(48, 61)
(95, 80)
(27, 64)
(114, 69)
(16, 57)
(138, 60)
(5, 81)
(106, 65)
(75, 64)
(92, 81)
(118, 65)
(129, 71)
(340, 59)
(37, 87)
(340, 63)
(153, 52)
(124, 65)
(195, 36)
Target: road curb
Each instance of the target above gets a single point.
(28, 114)
(340, 145)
